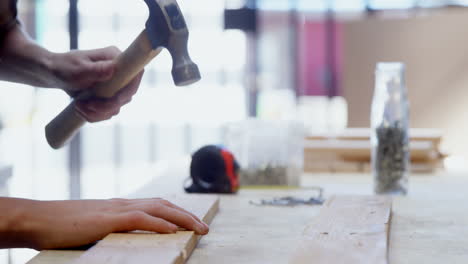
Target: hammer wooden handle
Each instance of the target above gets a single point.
(128, 64)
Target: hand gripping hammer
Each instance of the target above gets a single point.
(165, 28)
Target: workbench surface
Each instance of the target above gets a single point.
(430, 225)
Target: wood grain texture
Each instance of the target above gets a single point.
(348, 229)
(145, 247)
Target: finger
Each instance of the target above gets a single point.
(100, 71)
(138, 220)
(91, 115)
(99, 117)
(175, 216)
(194, 216)
(108, 53)
(112, 105)
(131, 89)
(82, 109)
(100, 105)
(167, 203)
(99, 109)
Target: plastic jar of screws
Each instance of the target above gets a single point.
(270, 153)
(390, 130)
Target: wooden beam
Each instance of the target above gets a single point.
(348, 229)
(142, 248)
(146, 247)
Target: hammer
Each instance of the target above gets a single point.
(165, 28)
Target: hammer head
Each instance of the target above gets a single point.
(166, 28)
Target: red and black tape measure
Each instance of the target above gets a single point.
(213, 170)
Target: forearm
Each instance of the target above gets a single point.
(24, 61)
(13, 226)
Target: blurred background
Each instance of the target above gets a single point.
(303, 60)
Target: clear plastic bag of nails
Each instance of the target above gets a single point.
(270, 153)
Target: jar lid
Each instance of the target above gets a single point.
(390, 66)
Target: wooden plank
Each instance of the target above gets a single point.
(146, 247)
(416, 134)
(348, 229)
(360, 150)
(149, 247)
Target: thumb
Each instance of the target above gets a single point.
(100, 71)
